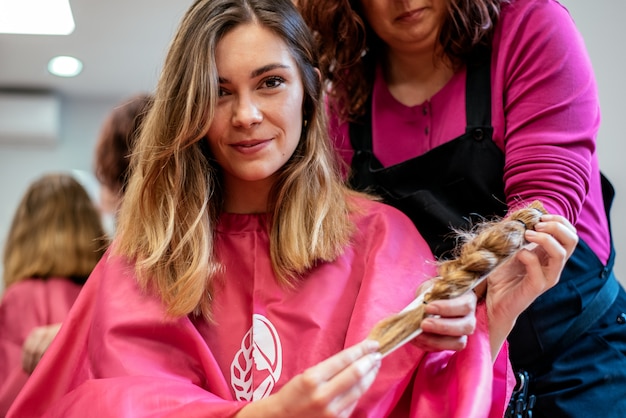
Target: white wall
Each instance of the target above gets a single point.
(601, 24)
(21, 164)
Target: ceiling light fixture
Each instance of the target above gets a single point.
(64, 66)
(36, 17)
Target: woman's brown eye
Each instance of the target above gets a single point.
(273, 82)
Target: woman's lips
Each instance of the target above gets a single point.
(410, 15)
(250, 146)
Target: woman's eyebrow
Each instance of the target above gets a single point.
(262, 70)
(267, 68)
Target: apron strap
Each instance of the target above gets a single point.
(477, 108)
(478, 90)
(601, 303)
(608, 194)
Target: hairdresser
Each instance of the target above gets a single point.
(455, 111)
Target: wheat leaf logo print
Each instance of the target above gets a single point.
(261, 348)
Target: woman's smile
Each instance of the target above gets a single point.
(251, 146)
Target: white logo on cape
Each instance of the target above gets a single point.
(261, 347)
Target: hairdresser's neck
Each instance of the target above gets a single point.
(414, 77)
(246, 197)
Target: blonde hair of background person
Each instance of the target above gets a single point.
(55, 219)
(54, 241)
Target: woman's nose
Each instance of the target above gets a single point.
(246, 113)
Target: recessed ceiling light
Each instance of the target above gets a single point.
(36, 17)
(64, 66)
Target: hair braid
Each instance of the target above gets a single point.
(488, 246)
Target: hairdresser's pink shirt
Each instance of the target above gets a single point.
(545, 115)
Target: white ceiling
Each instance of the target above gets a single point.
(122, 44)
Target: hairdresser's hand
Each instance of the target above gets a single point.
(330, 389)
(512, 289)
(452, 321)
(36, 344)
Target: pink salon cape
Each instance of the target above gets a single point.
(118, 355)
(26, 305)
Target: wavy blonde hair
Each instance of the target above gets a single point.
(174, 198)
(56, 232)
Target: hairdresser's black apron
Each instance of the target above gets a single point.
(450, 186)
(460, 182)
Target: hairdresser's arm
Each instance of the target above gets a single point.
(332, 388)
(510, 292)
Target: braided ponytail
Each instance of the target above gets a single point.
(485, 248)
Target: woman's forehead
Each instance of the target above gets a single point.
(251, 47)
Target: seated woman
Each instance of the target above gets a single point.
(245, 276)
(54, 242)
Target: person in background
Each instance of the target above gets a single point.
(245, 276)
(454, 111)
(54, 242)
(112, 153)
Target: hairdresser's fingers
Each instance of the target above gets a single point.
(449, 323)
(541, 266)
(561, 229)
(436, 342)
(545, 263)
(560, 219)
(514, 286)
(537, 280)
(450, 327)
(511, 290)
(557, 241)
(461, 306)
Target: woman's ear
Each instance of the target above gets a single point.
(319, 74)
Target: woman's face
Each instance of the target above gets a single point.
(407, 25)
(258, 119)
